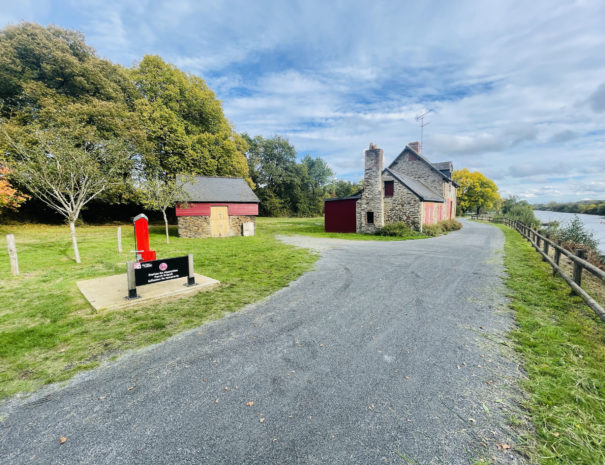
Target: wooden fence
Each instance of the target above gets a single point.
(543, 244)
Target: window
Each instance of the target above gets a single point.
(388, 188)
(370, 217)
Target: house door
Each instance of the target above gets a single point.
(219, 221)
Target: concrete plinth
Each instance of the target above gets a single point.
(110, 292)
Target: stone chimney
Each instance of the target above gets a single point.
(415, 146)
(371, 209)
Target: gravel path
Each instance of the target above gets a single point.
(388, 352)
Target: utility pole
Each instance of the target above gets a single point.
(420, 118)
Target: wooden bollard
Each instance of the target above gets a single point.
(12, 253)
(577, 268)
(120, 239)
(557, 257)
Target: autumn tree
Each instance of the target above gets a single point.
(10, 198)
(475, 191)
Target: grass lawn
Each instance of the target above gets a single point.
(315, 227)
(563, 346)
(48, 331)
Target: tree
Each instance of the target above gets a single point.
(185, 128)
(66, 168)
(161, 193)
(340, 188)
(475, 191)
(10, 198)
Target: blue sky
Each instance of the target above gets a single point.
(516, 89)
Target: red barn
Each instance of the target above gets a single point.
(217, 207)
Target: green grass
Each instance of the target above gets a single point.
(48, 331)
(563, 346)
(315, 227)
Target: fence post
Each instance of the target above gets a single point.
(577, 268)
(12, 253)
(546, 246)
(557, 257)
(120, 239)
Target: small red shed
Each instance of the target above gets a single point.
(341, 214)
(217, 207)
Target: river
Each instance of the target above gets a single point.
(592, 223)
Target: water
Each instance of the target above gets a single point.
(592, 223)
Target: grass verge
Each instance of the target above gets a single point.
(563, 346)
(48, 331)
(315, 227)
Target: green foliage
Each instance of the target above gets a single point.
(340, 188)
(519, 210)
(284, 186)
(575, 233)
(561, 342)
(184, 125)
(450, 225)
(432, 230)
(395, 229)
(475, 191)
(588, 207)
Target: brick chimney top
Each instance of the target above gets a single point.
(373, 146)
(415, 146)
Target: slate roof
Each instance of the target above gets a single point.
(431, 165)
(352, 197)
(417, 187)
(218, 189)
(443, 165)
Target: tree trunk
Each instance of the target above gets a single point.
(72, 229)
(166, 224)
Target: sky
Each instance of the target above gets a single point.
(514, 89)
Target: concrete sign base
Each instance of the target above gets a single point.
(110, 292)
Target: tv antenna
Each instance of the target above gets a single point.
(420, 118)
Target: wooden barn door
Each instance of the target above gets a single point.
(219, 221)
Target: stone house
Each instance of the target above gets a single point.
(217, 207)
(411, 190)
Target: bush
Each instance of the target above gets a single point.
(396, 229)
(576, 234)
(432, 230)
(450, 225)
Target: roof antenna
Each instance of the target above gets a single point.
(420, 118)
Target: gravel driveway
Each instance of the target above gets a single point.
(388, 352)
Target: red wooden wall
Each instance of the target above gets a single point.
(341, 216)
(203, 209)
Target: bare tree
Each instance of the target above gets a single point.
(162, 192)
(66, 168)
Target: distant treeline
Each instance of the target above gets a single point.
(589, 207)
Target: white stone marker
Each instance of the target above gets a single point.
(248, 229)
(12, 253)
(120, 239)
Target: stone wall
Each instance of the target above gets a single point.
(235, 224)
(410, 165)
(199, 226)
(194, 226)
(403, 206)
(372, 196)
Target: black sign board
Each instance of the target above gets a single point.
(155, 271)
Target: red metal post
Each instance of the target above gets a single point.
(141, 239)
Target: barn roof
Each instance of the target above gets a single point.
(417, 187)
(219, 189)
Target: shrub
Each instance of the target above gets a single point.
(432, 229)
(450, 225)
(396, 229)
(576, 233)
